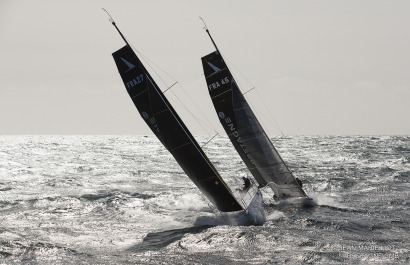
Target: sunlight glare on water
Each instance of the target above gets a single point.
(124, 199)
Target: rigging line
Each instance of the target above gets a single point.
(269, 118)
(209, 140)
(196, 106)
(213, 42)
(132, 46)
(170, 87)
(244, 77)
(147, 61)
(260, 98)
(260, 115)
(217, 50)
(208, 122)
(205, 27)
(192, 139)
(250, 83)
(248, 91)
(115, 25)
(111, 19)
(157, 66)
(200, 122)
(253, 107)
(185, 107)
(209, 34)
(263, 102)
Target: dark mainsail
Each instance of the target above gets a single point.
(160, 116)
(245, 131)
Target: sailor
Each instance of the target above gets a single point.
(299, 182)
(246, 183)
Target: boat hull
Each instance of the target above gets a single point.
(253, 215)
(304, 202)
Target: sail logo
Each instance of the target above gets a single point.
(150, 120)
(136, 80)
(128, 64)
(235, 133)
(144, 115)
(216, 69)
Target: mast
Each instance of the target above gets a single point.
(209, 34)
(115, 25)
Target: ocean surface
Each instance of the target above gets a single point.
(124, 200)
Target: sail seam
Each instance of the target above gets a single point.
(182, 145)
(210, 178)
(159, 112)
(221, 93)
(139, 93)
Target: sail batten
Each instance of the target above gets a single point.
(143, 91)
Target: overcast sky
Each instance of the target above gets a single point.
(321, 67)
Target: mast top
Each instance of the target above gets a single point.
(209, 34)
(113, 22)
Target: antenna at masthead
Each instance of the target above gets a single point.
(209, 34)
(113, 22)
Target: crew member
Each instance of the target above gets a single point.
(299, 182)
(246, 183)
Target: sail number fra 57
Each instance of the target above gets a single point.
(217, 84)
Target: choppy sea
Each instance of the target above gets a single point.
(124, 200)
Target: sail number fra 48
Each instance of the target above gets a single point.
(217, 84)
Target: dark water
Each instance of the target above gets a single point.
(123, 200)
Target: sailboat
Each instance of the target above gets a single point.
(244, 130)
(168, 127)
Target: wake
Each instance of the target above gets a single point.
(255, 215)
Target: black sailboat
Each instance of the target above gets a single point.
(245, 131)
(165, 123)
